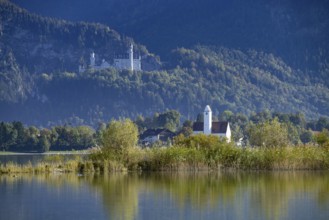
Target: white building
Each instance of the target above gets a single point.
(151, 136)
(129, 64)
(221, 129)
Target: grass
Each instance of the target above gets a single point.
(177, 158)
(47, 153)
(7, 153)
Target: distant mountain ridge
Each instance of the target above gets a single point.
(44, 44)
(39, 83)
(295, 30)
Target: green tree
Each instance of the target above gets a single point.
(32, 141)
(293, 134)
(268, 134)
(8, 136)
(306, 136)
(169, 119)
(44, 140)
(86, 137)
(99, 132)
(199, 118)
(322, 123)
(322, 138)
(188, 123)
(118, 138)
(21, 134)
(226, 115)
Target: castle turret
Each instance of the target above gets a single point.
(131, 57)
(207, 120)
(92, 59)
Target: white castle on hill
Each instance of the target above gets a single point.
(128, 64)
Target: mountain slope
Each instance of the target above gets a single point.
(295, 30)
(224, 78)
(48, 45)
(39, 83)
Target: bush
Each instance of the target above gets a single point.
(118, 137)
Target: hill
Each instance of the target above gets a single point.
(39, 83)
(295, 30)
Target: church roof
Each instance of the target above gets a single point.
(216, 128)
(207, 109)
(198, 126)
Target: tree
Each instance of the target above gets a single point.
(8, 136)
(86, 137)
(199, 118)
(306, 136)
(268, 134)
(32, 140)
(21, 134)
(188, 123)
(44, 143)
(119, 137)
(293, 134)
(322, 123)
(322, 138)
(226, 115)
(169, 119)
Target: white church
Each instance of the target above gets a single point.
(208, 127)
(121, 64)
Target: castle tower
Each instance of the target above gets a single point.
(207, 120)
(131, 57)
(92, 59)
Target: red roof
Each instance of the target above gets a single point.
(217, 127)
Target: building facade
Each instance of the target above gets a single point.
(129, 63)
(208, 127)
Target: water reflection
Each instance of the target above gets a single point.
(230, 195)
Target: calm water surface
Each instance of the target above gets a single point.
(270, 195)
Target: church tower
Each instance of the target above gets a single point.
(207, 120)
(131, 57)
(92, 60)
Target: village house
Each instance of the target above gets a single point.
(208, 127)
(151, 136)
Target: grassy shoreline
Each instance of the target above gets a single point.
(178, 158)
(5, 153)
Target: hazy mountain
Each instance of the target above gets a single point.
(43, 44)
(296, 30)
(244, 67)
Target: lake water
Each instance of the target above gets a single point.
(229, 195)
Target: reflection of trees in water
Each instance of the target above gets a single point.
(272, 192)
(120, 194)
(197, 189)
(266, 194)
(260, 194)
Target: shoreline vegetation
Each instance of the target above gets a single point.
(220, 156)
(6, 153)
(119, 152)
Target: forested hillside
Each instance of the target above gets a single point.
(43, 44)
(295, 30)
(39, 83)
(225, 79)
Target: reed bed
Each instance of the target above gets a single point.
(183, 158)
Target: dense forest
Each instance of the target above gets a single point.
(39, 83)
